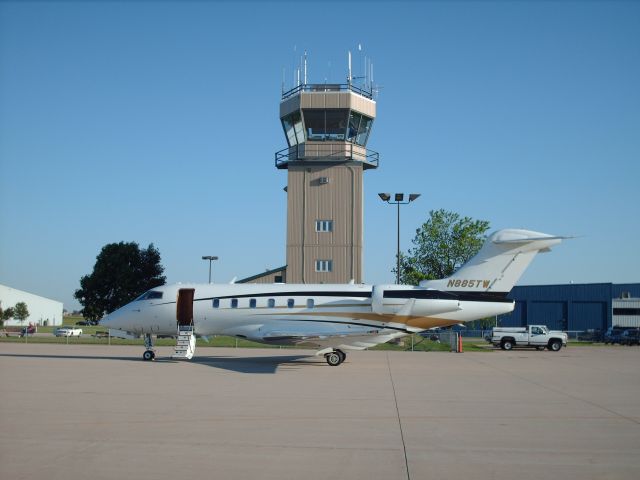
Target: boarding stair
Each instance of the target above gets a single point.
(186, 343)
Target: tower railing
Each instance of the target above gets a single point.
(327, 87)
(369, 158)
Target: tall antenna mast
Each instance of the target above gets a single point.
(349, 75)
(305, 67)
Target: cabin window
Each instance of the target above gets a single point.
(290, 303)
(252, 303)
(324, 265)
(310, 303)
(216, 303)
(324, 225)
(234, 303)
(271, 303)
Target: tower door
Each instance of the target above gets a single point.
(184, 307)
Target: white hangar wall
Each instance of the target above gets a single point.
(41, 310)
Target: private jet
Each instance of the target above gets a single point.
(333, 318)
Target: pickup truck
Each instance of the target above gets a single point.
(537, 336)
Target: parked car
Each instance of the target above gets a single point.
(68, 332)
(630, 337)
(593, 335)
(613, 335)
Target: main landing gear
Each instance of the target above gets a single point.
(335, 358)
(149, 354)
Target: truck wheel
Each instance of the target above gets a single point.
(555, 345)
(507, 345)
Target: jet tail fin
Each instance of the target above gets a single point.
(499, 264)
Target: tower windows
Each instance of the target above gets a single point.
(359, 126)
(324, 265)
(324, 225)
(292, 125)
(325, 124)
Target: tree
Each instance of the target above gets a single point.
(441, 246)
(5, 314)
(122, 272)
(20, 311)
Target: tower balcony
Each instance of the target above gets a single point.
(327, 152)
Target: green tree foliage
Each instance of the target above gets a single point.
(5, 314)
(20, 311)
(122, 272)
(441, 246)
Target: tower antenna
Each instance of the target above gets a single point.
(305, 67)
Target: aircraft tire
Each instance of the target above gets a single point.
(333, 359)
(148, 355)
(343, 356)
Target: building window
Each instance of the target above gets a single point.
(277, 279)
(321, 124)
(234, 303)
(324, 225)
(359, 127)
(324, 265)
(252, 303)
(310, 303)
(290, 303)
(271, 303)
(292, 125)
(216, 302)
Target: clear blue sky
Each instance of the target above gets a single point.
(158, 121)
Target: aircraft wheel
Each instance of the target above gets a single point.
(148, 355)
(343, 356)
(334, 359)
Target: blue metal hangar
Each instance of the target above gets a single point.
(575, 307)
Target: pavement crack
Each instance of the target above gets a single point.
(395, 399)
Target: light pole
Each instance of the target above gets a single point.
(211, 259)
(398, 199)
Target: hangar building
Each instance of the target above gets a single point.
(575, 307)
(42, 311)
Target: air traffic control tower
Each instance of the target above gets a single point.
(327, 127)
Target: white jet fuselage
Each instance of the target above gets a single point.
(350, 316)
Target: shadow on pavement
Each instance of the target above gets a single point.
(268, 364)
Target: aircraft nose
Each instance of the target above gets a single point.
(114, 319)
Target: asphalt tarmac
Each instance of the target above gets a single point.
(99, 412)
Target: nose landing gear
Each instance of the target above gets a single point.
(149, 354)
(335, 358)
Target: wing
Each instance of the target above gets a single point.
(344, 340)
(318, 334)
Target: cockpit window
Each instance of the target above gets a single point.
(150, 295)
